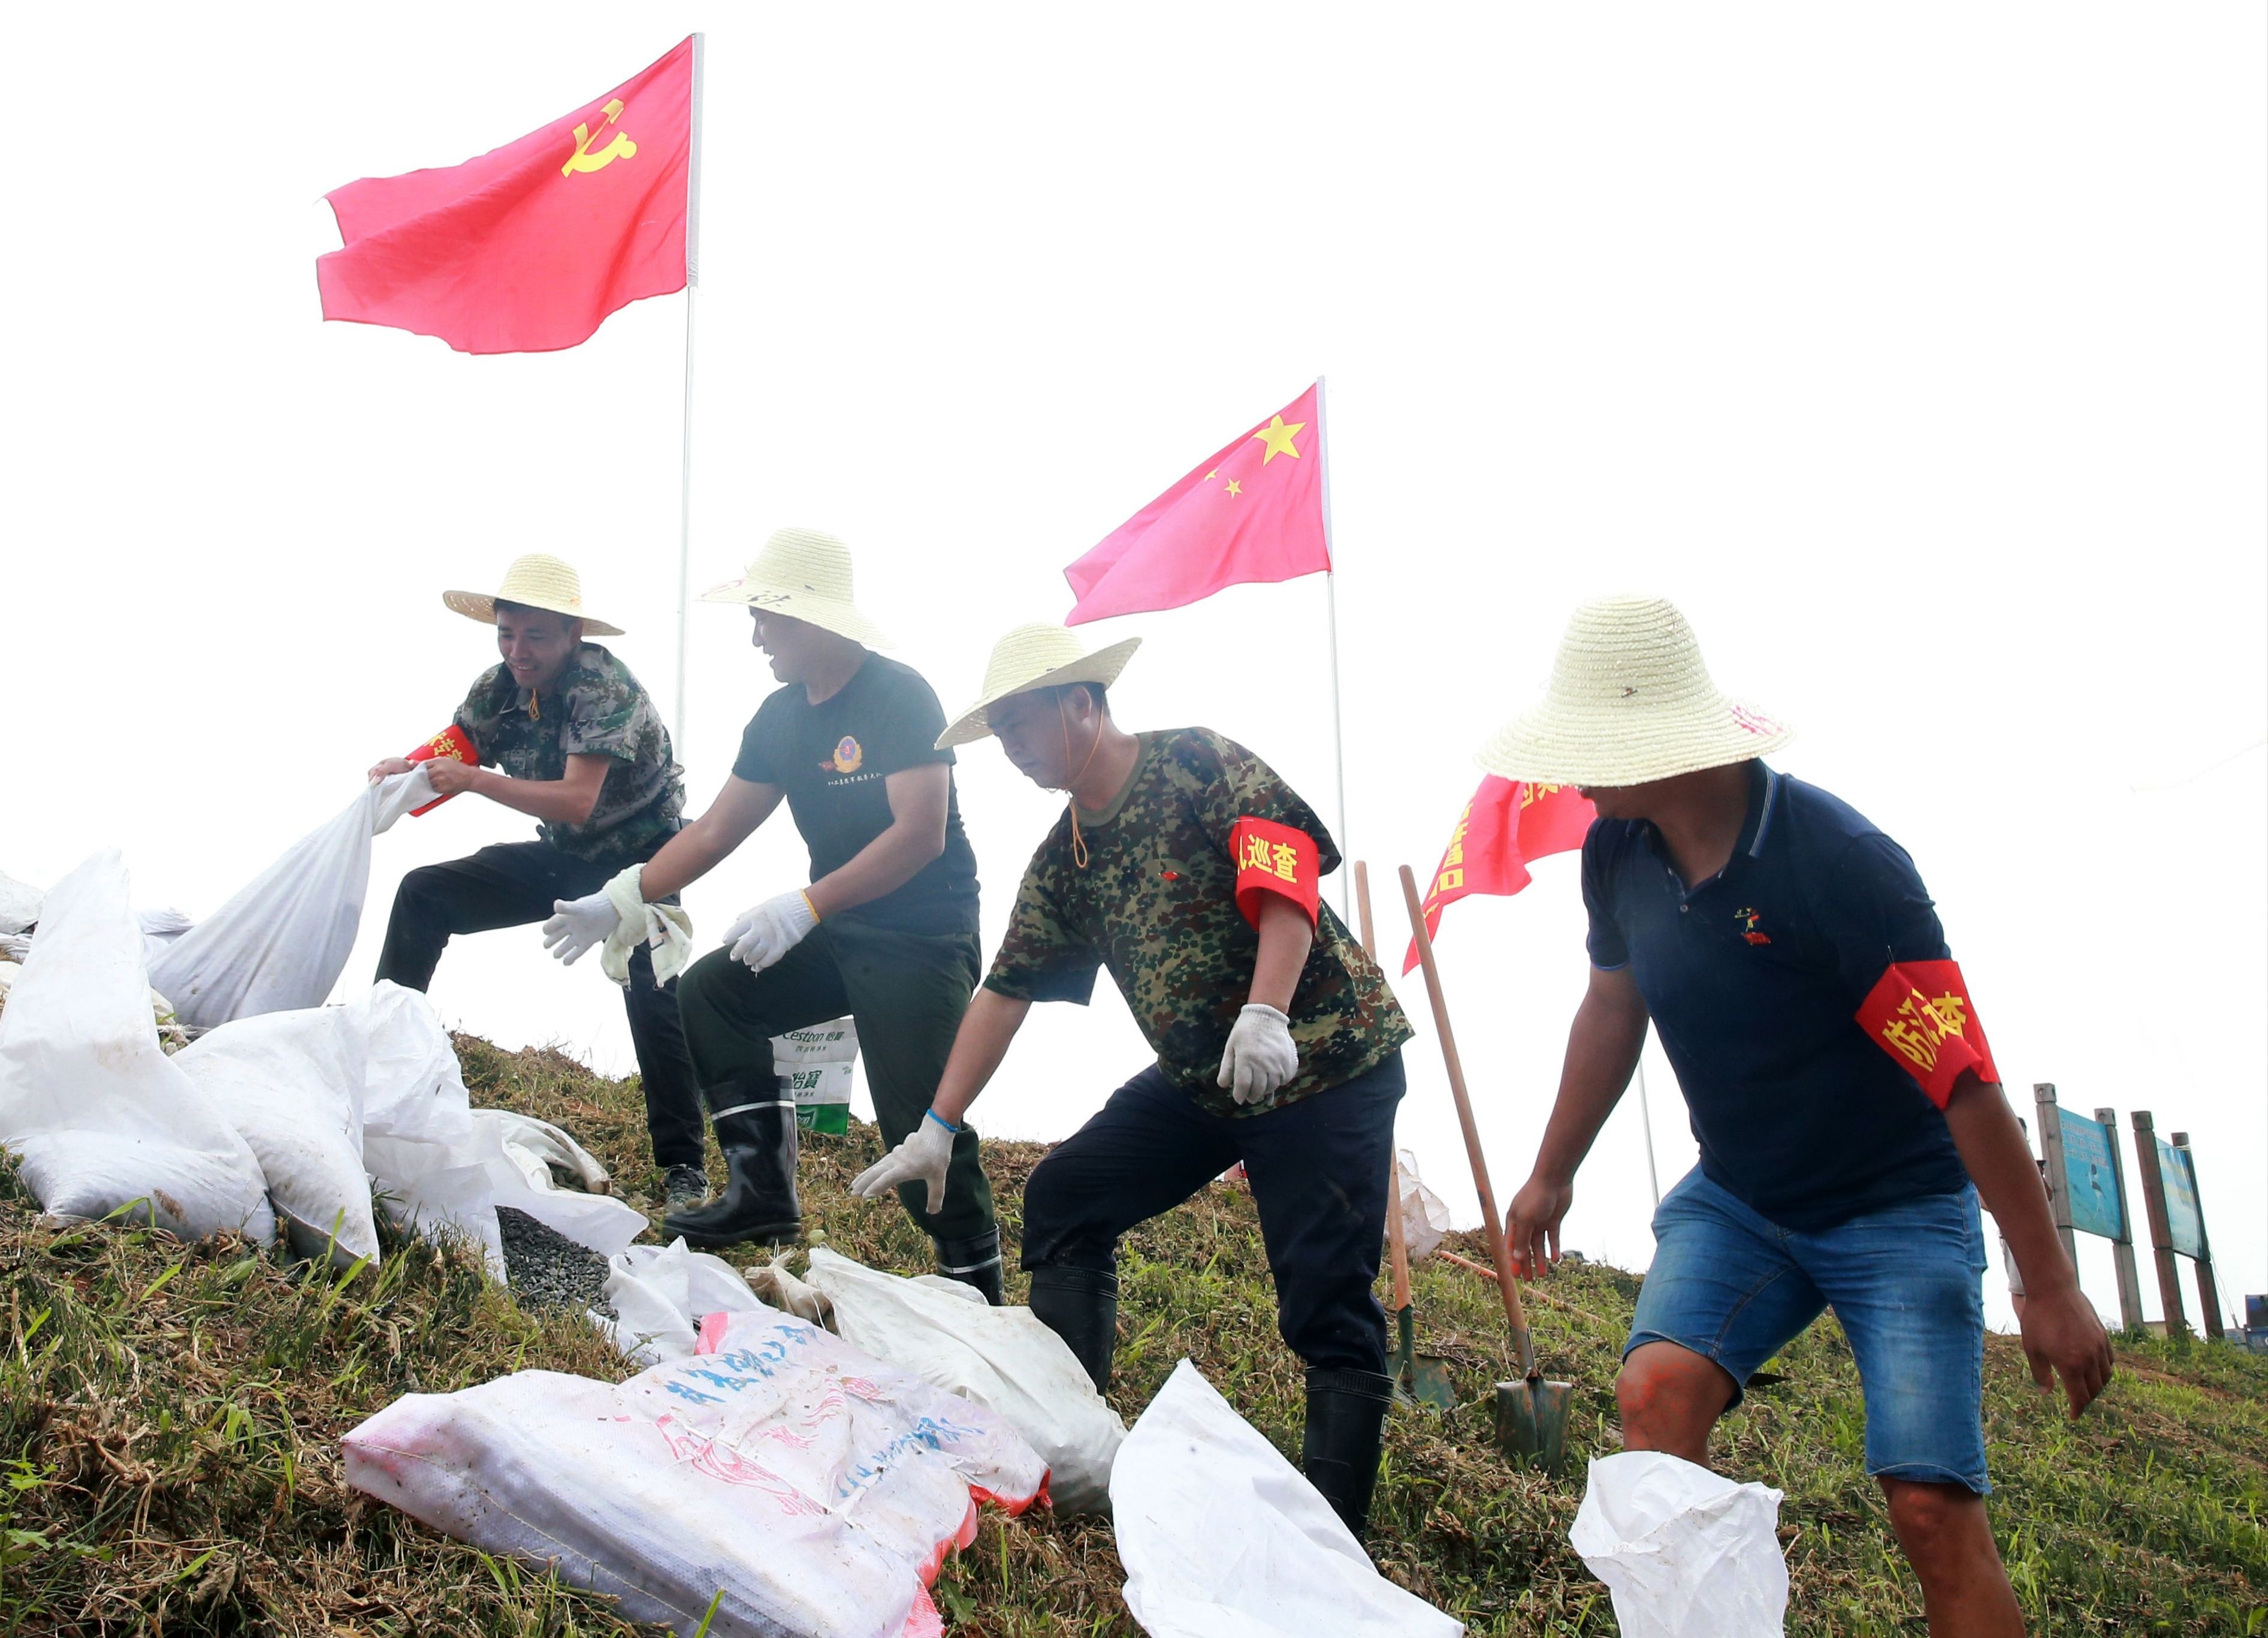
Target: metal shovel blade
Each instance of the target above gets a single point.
(1429, 1380)
(1419, 1378)
(1531, 1421)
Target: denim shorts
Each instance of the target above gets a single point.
(1906, 1282)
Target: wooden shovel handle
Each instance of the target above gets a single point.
(1490, 1222)
(1397, 1234)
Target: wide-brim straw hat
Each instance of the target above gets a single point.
(537, 580)
(1630, 702)
(1036, 656)
(806, 575)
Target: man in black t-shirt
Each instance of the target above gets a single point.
(885, 931)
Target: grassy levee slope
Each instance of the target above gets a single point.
(170, 1418)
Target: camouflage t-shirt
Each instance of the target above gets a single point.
(1156, 903)
(594, 707)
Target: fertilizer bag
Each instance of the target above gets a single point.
(663, 1295)
(282, 940)
(1003, 1358)
(818, 1488)
(291, 1085)
(1222, 1538)
(1687, 1553)
(419, 1143)
(98, 1115)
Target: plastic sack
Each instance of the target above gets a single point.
(1222, 1538)
(291, 1085)
(19, 903)
(518, 1162)
(282, 941)
(1687, 1553)
(1003, 1358)
(660, 1294)
(419, 1144)
(532, 1142)
(1425, 1215)
(97, 1112)
(819, 1489)
(817, 1065)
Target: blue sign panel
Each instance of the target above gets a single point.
(2093, 1174)
(2183, 1217)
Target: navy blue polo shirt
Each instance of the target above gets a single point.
(1753, 978)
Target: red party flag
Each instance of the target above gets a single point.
(1507, 823)
(1253, 512)
(528, 248)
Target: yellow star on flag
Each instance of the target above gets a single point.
(1277, 437)
(1208, 476)
(1235, 488)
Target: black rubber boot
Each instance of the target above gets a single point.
(974, 1262)
(1346, 1411)
(1080, 1305)
(755, 1127)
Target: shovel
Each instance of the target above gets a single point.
(1531, 1415)
(1417, 1378)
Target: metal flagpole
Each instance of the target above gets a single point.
(1331, 599)
(1652, 1178)
(685, 464)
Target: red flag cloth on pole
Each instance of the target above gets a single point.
(529, 247)
(1252, 511)
(1507, 823)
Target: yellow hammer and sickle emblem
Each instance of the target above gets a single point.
(583, 159)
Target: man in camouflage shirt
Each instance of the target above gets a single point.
(1186, 867)
(560, 731)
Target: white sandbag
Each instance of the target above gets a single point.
(291, 1085)
(819, 1489)
(519, 1176)
(533, 1141)
(419, 1144)
(282, 941)
(660, 1294)
(1003, 1358)
(1222, 1538)
(97, 1114)
(1687, 1553)
(19, 903)
(1425, 1215)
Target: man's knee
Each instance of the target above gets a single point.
(1933, 1520)
(423, 889)
(1669, 1398)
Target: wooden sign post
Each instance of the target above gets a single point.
(2122, 1249)
(2208, 1291)
(2058, 1179)
(2161, 1234)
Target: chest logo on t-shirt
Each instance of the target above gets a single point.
(848, 755)
(1748, 918)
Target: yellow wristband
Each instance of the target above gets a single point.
(805, 895)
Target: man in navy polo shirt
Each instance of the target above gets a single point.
(1845, 1100)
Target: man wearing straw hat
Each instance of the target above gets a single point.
(1189, 868)
(1839, 1082)
(560, 731)
(885, 931)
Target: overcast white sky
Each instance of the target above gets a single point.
(1919, 352)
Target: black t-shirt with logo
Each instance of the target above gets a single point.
(831, 760)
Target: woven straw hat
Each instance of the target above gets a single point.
(1036, 656)
(1630, 702)
(805, 575)
(538, 581)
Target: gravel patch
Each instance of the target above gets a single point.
(547, 1268)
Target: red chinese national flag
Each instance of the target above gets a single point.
(1508, 822)
(1252, 511)
(529, 247)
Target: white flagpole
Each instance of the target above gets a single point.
(685, 464)
(1331, 600)
(1652, 1178)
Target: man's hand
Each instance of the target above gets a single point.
(391, 766)
(449, 777)
(762, 936)
(921, 1158)
(1262, 1055)
(578, 924)
(2063, 1337)
(1531, 1227)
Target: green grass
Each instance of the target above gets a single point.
(170, 1418)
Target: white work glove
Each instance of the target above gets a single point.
(578, 924)
(1261, 1056)
(762, 936)
(921, 1158)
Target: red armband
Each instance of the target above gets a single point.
(1919, 1013)
(451, 741)
(1272, 857)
